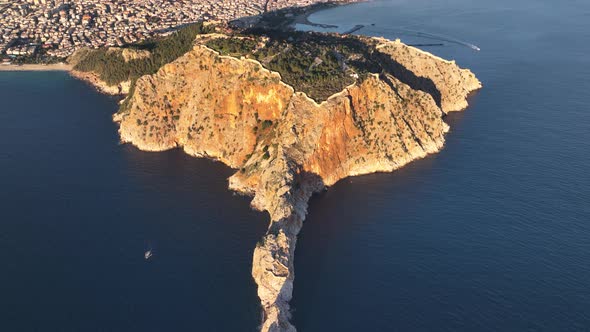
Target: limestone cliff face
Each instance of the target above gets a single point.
(208, 104)
(285, 145)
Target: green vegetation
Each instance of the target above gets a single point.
(317, 64)
(266, 124)
(113, 69)
(311, 68)
(282, 19)
(233, 46)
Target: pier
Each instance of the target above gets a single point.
(354, 29)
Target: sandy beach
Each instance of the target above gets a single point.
(303, 18)
(36, 67)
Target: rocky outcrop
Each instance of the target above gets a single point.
(90, 77)
(284, 145)
(132, 54)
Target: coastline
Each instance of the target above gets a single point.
(303, 18)
(36, 67)
(90, 78)
(94, 80)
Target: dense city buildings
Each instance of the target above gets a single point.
(59, 27)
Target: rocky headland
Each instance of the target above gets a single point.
(286, 143)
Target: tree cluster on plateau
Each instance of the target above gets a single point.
(317, 64)
(113, 69)
(233, 46)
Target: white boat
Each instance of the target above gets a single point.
(148, 254)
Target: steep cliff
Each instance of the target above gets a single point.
(286, 146)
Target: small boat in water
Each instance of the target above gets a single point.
(148, 254)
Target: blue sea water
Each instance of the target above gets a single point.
(491, 234)
(78, 210)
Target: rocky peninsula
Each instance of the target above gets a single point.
(293, 115)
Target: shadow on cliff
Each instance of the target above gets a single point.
(407, 77)
(305, 185)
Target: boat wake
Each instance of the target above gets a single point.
(431, 36)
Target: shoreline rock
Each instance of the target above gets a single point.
(120, 89)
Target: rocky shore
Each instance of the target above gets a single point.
(286, 146)
(120, 89)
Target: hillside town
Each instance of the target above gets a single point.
(56, 28)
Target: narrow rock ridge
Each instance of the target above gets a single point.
(286, 146)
